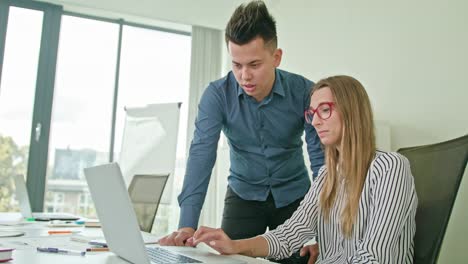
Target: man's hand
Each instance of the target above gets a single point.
(177, 238)
(312, 251)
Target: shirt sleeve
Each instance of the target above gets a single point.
(301, 227)
(392, 212)
(202, 156)
(314, 147)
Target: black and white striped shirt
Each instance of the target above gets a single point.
(383, 232)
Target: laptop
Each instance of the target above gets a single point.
(25, 205)
(120, 226)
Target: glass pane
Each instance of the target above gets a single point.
(17, 89)
(82, 111)
(155, 68)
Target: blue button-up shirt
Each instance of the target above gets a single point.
(265, 143)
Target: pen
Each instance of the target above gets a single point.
(61, 251)
(61, 222)
(97, 249)
(54, 232)
(98, 243)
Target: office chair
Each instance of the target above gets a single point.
(437, 171)
(145, 193)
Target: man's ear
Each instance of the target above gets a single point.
(278, 54)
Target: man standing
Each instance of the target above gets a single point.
(260, 109)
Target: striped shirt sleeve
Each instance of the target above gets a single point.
(301, 227)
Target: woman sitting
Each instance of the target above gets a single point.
(361, 207)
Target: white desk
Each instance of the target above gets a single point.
(36, 235)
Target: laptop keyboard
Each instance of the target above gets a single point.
(161, 255)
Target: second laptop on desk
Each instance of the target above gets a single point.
(25, 205)
(120, 226)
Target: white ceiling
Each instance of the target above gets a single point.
(208, 13)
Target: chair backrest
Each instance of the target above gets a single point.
(437, 170)
(145, 193)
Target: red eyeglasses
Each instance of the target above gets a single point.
(323, 110)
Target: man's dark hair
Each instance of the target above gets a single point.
(249, 21)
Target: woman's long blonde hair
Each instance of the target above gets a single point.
(350, 164)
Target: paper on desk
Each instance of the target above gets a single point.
(48, 241)
(24, 225)
(11, 233)
(83, 238)
(10, 218)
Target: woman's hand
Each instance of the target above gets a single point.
(215, 238)
(312, 251)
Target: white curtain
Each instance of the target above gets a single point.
(206, 67)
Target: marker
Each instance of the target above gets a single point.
(61, 251)
(61, 222)
(97, 249)
(30, 219)
(56, 232)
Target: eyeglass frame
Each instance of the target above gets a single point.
(311, 111)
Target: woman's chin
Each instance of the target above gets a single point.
(328, 142)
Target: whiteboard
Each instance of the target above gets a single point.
(149, 142)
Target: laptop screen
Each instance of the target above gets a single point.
(22, 196)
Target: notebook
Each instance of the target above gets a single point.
(5, 254)
(120, 226)
(25, 205)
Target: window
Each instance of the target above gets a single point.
(82, 109)
(97, 73)
(58, 202)
(154, 68)
(85, 205)
(17, 89)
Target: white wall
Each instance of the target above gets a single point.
(412, 57)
